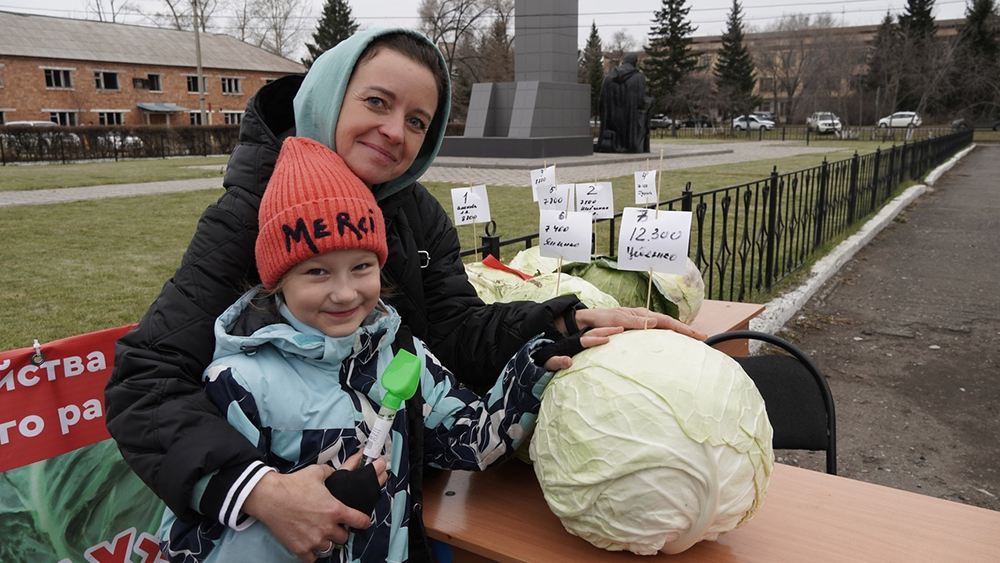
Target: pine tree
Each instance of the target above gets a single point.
(335, 26)
(884, 64)
(981, 32)
(669, 53)
(734, 69)
(592, 65)
(917, 21)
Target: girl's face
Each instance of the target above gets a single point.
(387, 110)
(333, 292)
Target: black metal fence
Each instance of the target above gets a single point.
(747, 238)
(803, 133)
(66, 144)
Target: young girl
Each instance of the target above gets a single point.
(298, 363)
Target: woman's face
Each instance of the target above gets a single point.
(387, 111)
(333, 292)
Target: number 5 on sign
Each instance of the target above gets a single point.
(564, 234)
(471, 205)
(654, 240)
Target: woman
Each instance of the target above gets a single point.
(368, 99)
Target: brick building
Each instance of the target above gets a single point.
(82, 72)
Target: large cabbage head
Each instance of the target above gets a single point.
(490, 283)
(542, 288)
(652, 442)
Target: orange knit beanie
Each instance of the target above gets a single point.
(314, 204)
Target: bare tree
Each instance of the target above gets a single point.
(452, 24)
(279, 31)
(107, 10)
(787, 58)
(177, 14)
(621, 43)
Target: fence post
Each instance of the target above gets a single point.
(783, 128)
(852, 189)
(687, 198)
(824, 175)
(876, 178)
(3, 153)
(808, 134)
(772, 219)
(491, 241)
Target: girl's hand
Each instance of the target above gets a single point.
(589, 339)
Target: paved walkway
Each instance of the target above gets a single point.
(495, 172)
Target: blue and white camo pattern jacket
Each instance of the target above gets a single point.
(304, 398)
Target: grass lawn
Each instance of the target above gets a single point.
(73, 268)
(46, 176)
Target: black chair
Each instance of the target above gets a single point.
(797, 398)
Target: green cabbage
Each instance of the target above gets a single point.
(652, 442)
(543, 287)
(677, 296)
(531, 262)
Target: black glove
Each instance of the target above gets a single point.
(569, 346)
(358, 489)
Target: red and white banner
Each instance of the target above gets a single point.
(53, 405)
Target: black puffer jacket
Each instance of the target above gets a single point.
(157, 411)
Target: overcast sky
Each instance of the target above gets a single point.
(633, 16)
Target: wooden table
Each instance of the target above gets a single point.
(500, 515)
(723, 316)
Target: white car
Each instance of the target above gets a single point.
(743, 122)
(824, 122)
(901, 119)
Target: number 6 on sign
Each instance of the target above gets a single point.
(564, 234)
(654, 240)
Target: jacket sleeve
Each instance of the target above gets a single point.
(473, 339)
(157, 410)
(464, 431)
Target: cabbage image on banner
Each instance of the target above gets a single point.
(652, 442)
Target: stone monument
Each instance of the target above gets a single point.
(624, 110)
(545, 112)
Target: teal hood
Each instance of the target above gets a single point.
(318, 103)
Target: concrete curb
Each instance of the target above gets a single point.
(781, 309)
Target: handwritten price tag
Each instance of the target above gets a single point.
(645, 187)
(556, 197)
(564, 235)
(470, 205)
(596, 198)
(542, 179)
(656, 240)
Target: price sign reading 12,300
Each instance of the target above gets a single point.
(654, 240)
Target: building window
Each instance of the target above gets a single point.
(3, 117)
(193, 84)
(232, 117)
(1, 80)
(58, 78)
(154, 83)
(106, 80)
(195, 117)
(63, 117)
(704, 61)
(231, 86)
(110, 117)
(766, 84)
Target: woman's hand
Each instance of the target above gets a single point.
(630, 318)
(301, 512)
(591, 338)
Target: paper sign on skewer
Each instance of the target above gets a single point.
(556, 197)
(470, 205)
(654, 240)
(597, 198)
(564, 234)
(542, 179)
(645, 187)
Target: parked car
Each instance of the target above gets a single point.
(901, 119)
(120, 140)
(750, 122)
(695, 121)
(824, 122)
(963, 124)
(660, 121)
(764, 115)
(45, 132)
